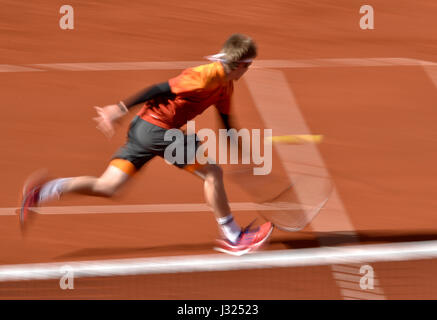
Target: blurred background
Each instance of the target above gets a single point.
(371, 93)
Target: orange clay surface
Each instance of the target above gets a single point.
(378, 125)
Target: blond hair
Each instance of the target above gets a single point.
(238, 47)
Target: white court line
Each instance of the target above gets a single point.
(279, 110)
(173, 65)
(218, 262)
(147, 208)
(13, 68)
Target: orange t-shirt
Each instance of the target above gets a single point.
(195, 89)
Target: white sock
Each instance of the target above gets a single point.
(229, 228)
(52, 190)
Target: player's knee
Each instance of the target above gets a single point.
(110, 182)
(105, 188)
(214, 173)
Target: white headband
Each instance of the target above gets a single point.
(220, 57)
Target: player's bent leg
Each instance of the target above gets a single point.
(214, 188)
(235, 241)
(216, 198)
(39, 189)
(115, 176)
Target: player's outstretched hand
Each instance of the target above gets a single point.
(107, 117)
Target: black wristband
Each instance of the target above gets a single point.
(122, 107)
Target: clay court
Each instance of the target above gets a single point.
(372, 94)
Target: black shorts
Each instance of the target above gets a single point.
(146, 140)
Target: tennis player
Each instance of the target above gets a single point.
(166, 106)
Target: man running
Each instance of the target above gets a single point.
(167, 106)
